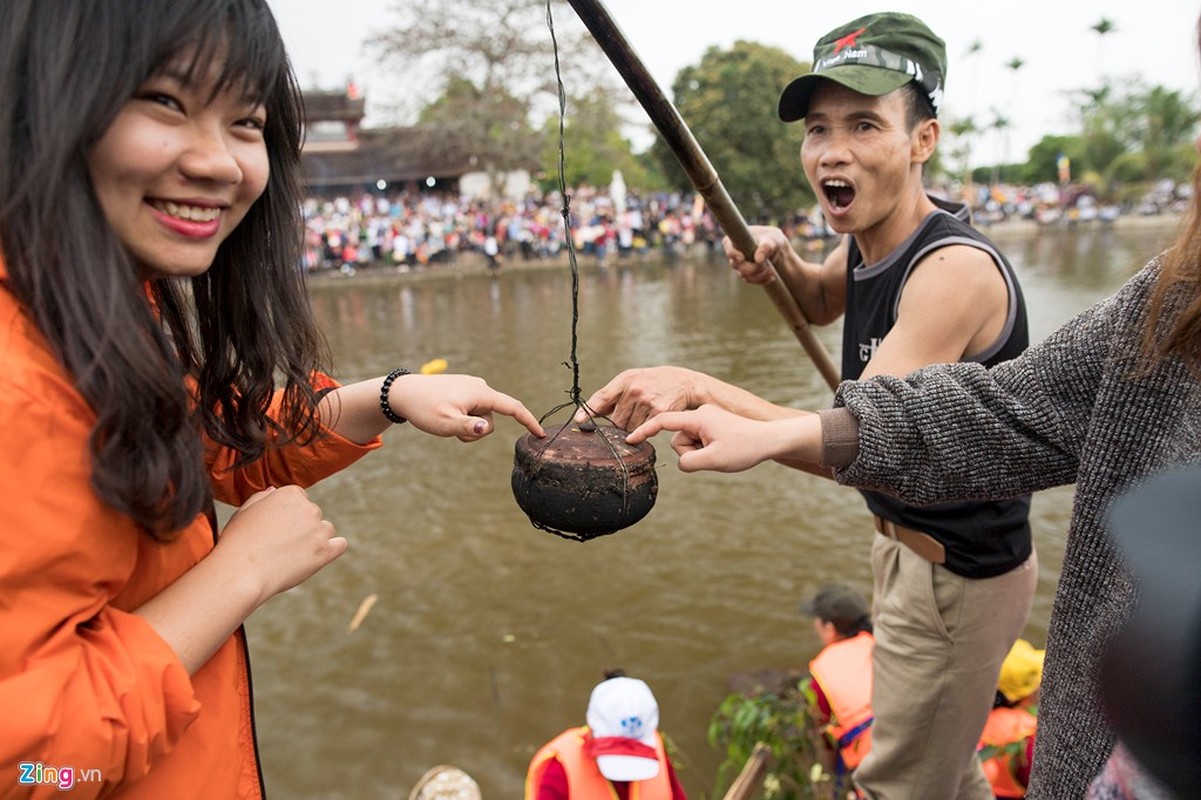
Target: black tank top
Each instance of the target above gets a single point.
(982, 539)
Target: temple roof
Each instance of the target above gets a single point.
(393, 154)
(340, 105)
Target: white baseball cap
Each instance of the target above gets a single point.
(623, 717)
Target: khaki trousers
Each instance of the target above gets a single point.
(940, 641)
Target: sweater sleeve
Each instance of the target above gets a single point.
(284, 464)
(963, 432)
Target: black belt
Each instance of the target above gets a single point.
(923, 544)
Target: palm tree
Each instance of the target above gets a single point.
(1169, 121)
(974, 48)
(963, 129)
(1001, 125)
(1015, 64)
(1103, 28)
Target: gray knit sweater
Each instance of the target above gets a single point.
(1067, 410)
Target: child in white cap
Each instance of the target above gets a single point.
(619, 750)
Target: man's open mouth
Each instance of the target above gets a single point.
(839, 193)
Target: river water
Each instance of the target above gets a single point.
(489, 634)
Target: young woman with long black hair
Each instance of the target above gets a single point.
(157, 353)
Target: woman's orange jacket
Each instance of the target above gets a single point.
(90, 695)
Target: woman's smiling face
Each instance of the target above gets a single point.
(178, 169)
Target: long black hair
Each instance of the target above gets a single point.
(66, 69)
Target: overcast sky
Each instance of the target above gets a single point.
(1153, 39)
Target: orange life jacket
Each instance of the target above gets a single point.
(1005, 726)
(843, 669)
(584, 779)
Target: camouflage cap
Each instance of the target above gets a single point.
(872, 55)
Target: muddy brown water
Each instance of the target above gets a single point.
(488, 634)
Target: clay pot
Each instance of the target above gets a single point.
(584, 480)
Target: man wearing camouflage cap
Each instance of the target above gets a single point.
(954, 583)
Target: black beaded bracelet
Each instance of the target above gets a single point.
(386, 407)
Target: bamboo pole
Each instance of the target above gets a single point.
(752, 774)
(700, 171)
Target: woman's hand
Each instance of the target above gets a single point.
(278, 538)
(456, 405)
(711, 438)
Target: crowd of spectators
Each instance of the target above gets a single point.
(416, 231)
(1071, 202)
(413, 231)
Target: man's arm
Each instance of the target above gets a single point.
(636, 395)
(953, 306)
(819, 289)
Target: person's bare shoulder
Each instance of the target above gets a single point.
(962, 275)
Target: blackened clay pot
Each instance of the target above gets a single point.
(584, 480)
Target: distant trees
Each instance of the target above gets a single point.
(729, 102)
(1130, 135)
(594, 145)
(477, 65)
(483, 71)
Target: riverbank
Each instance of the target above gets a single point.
(1025, 228)
(470, 264)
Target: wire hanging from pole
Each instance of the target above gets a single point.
(565, 212)
(583, 480)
